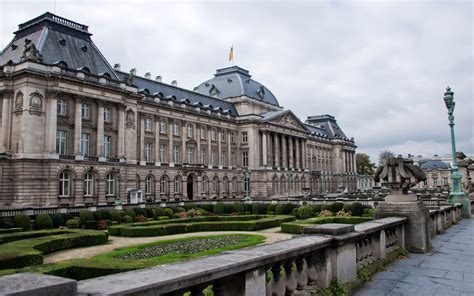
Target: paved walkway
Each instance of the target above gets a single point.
(447, 270)
(119, 242)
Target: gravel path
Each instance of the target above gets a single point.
(118, 242)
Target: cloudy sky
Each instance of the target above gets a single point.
(380, 67)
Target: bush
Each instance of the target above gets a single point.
(79, 221)
(336, 207)
(343, 213)
(140, 218)
(150, 213)
(6, 222)
(239, 207)
(43, 221)
(346, 207)
(10, 230)
(259, 209)
(72, 224)
(288, 208)
(139, 212)
(229, 208)
(357, 209)
(305, 212)
(66, 216)
(169, 212)
(115, 216)
(219, 208)
(86, 215)
(325, 213)
(179, 210)
(271, 208)
(130, 213)
(97, 215)
(159, 212)
(23, 221)
(91, 224)
(102, 225)
(279, 209)
(317, 208)
(105, 215)
(127, 219)
(57, 219)
(207, 208)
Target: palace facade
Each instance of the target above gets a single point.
(77, 131)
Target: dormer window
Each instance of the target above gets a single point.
(261, 92)
(214, 92)
(62, 42)
(84, 48)
(14, 46)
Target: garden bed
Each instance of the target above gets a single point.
(209, 223)
(297, 227)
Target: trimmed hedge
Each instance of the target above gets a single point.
(86, 215)
(6, 222)
(43, 221)
(30, 251)
(11, 237)
(22, 221)
(10, 230)
(215, 223)
(298, 226)
(58, 220)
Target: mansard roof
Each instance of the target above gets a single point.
(328, 124)
(235, 82)
(170, 91)
(57, 40)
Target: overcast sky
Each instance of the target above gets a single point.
(380, 67)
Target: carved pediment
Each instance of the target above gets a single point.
(289, 120)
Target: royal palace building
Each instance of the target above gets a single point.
(76, 131)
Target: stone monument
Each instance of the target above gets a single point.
(400, 175)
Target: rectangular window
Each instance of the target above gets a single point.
(148, 152)
(162, 153)
(107, 116)
(176, 152)
(224, 158)
(445, 180)
(213, 134)
(61, 107)
(245, 159)
(107, 144)
(190, 131)
(85, 111)
(232, 158)
(232, 137)
(435, 181)
(163, 126)
(223, 136)
(61, 142)
(85, 144)
(190, 154)
(148, 125)
(176, 128)
(213, 157)
(203, 155)
(245, 137)
(203, 132)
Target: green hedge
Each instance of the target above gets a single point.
(10, 230)
(298, 226)
(11, 237)
(30, 251)
(196, 224)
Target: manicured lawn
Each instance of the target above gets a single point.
(141, 256)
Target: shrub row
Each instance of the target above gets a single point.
(30, 251)
(11, 237)
(201, 225)
(298, 226)
(10, 230)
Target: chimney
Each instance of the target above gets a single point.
(148, 75)
(158, 78)
(133, 71)
(117, 67)
(174, 83)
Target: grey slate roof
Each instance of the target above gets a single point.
(235, 82)
(167, 91)
(58, 40)
(434, 164)
(328, 124)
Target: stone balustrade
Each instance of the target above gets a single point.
(443, 217)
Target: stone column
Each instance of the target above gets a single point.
(276, 150)
(219, 148)
(354, 162)
(77, 129)
(298, 154)
(100, 133)
(170, 143)
(209, 146)
(284, 153)
(142, 141)
(264, 148)
(197, 154)
(4, 135)
(121, 131)
(229, 152)
(291, 165)
(157, 143)
(51, 122)
(184, 136)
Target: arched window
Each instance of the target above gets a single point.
(64, 185)
(110, 184)
(177, 184)
(235, 185)
(215, 184)
(88, 184)
(149, 185)
(164, 184)
(226, 187)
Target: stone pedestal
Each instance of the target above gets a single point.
(35, 284)
(466, 204)
(417, 229)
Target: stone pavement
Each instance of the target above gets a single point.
(447, 270)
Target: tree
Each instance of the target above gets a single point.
(385, 154)
(364, 165)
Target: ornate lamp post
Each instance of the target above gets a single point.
(118, 201)
(457, 194)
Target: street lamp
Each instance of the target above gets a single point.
(457, 194)
(118, 201)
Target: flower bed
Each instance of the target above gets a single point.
(298, 226)
(30, 251)
(212, 223)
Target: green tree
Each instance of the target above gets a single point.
(385, 154)
(364, 165)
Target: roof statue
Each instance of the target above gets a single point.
(399, 174)
(30, 52)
